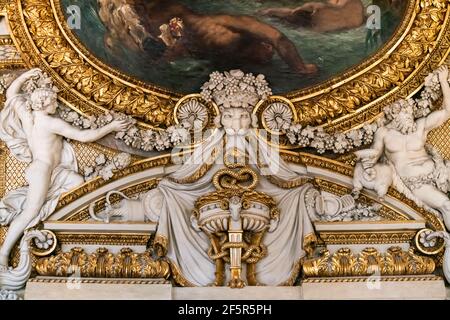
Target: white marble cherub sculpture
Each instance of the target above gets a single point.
(401, 143)
(34, 135)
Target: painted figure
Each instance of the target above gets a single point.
(176, 31)
(333, 15)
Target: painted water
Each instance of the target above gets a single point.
(332, 52)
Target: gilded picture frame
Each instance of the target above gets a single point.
(421, 42)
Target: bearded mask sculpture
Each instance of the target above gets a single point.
(236, 121)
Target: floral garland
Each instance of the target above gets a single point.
(144, 139)
(236, 89)
(105, 167)
(317, 138)
(229, 89)
(5, 82)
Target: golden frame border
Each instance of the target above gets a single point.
(420, 44)
(6, 40)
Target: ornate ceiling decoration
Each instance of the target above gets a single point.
(420, 43)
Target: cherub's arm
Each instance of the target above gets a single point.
(378, 142)
(15, 88)
(64, 129)
(438, 118)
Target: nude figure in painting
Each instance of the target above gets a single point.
(140, 24)
(333, 15)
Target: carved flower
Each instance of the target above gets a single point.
(341, 143)
(9, 295)
(104, 119)
(101, 159)
(88, 171)
(3, 83)
(278, 116)
(121, 160)
(427, 243)
(292, 137)
(72, 117)
(318, 144)
(296, 128)
(309, 132)
(238, 74)
(432, 80)
(356, 137)
(162, 141)
(194, 114)
(235, 89)
(177, 135)
(45, 243)
(106, 172)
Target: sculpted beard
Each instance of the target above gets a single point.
(239, 132)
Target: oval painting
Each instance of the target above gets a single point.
(176, 44)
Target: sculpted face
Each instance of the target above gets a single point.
(404, 121)
(236, 120)
(44, 100)
(406, 116)
(51, 103)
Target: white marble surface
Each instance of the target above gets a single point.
(3, 27)
(73, 289)
(101, 227)
(371, 290)
(369, 225)
(247, 293)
